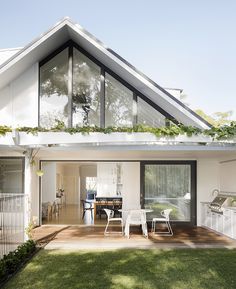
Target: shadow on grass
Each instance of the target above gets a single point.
(129, 269)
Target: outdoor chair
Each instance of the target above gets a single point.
(136, 217)
(164, 219)
(110, 218)
(87, 206)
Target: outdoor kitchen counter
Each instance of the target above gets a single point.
(230, 208)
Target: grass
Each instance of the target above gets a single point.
(129, 269)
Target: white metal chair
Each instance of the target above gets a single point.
(110, 218)
(164, 219)
(136, 217)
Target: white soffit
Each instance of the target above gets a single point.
(5, 54)
(65, 30)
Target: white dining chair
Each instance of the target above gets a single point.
(164, 219)
(110, 218)
(136, 217)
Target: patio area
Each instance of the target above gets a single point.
(92, 238)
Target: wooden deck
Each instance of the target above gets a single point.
(92, 237)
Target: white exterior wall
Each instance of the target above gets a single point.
(34, 193)
(228, 176)
(131, 186)
(19, 100)
(207, 180)
(49, 182)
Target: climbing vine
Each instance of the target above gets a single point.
(225, 132)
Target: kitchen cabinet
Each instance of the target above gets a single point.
(214, 225)
(222, 223)
(234, 223)
(227, 223)
(220, 219)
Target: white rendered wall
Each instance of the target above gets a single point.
(34, 193)
(49, 182)
(207, 181)
(131, 186)
(228, 176)
(19, 100)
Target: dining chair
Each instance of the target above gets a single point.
(164, 219)
(136, 217)
(110, 218)
(87, 206)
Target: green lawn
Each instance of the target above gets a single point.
(126, 269)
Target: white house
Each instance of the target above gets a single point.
(68, 76)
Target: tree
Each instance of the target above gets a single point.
(216, 119)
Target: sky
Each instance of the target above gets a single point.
(187, 44)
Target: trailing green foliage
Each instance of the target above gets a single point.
(4, 129)
(225, 132)
(13, 260)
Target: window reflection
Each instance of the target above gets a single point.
(82, 107)
(149, 116)
(11, 176)
(86, 91)
(169, 187)
(118, 103)
(54, 90)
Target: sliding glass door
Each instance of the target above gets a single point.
(170, 184)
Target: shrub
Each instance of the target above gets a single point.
(11, 262)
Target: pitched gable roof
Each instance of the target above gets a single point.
(67, 30)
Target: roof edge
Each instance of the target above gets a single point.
(67, 21)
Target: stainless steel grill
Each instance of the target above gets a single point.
(217, 204)
(222, 200)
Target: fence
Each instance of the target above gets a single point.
(12, 229)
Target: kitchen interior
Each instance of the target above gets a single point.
(77, 192)
(219, 212)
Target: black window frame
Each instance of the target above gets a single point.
(193, 203)
(104, 69)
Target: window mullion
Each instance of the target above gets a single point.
(70, 85)
(135, 109)
(102, 99)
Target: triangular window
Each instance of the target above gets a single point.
(80, 91)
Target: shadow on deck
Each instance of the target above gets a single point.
(92, 237)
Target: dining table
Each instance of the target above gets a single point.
(105, 204)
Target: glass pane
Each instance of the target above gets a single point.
(54, 90)
(118, 103)
(168, 186)
(149, 116)
(86, 90)
(11, 176)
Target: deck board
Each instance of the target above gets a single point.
(92, 237)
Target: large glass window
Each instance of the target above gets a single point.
(54, 90)
(70, 91)
(169, 186)
(118, 103)
(148, 115)
(86, 91)
(11, 176)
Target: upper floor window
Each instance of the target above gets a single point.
(54, 90)
(148, 115)
(78, 91)
(118, 103)
(86, 91)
